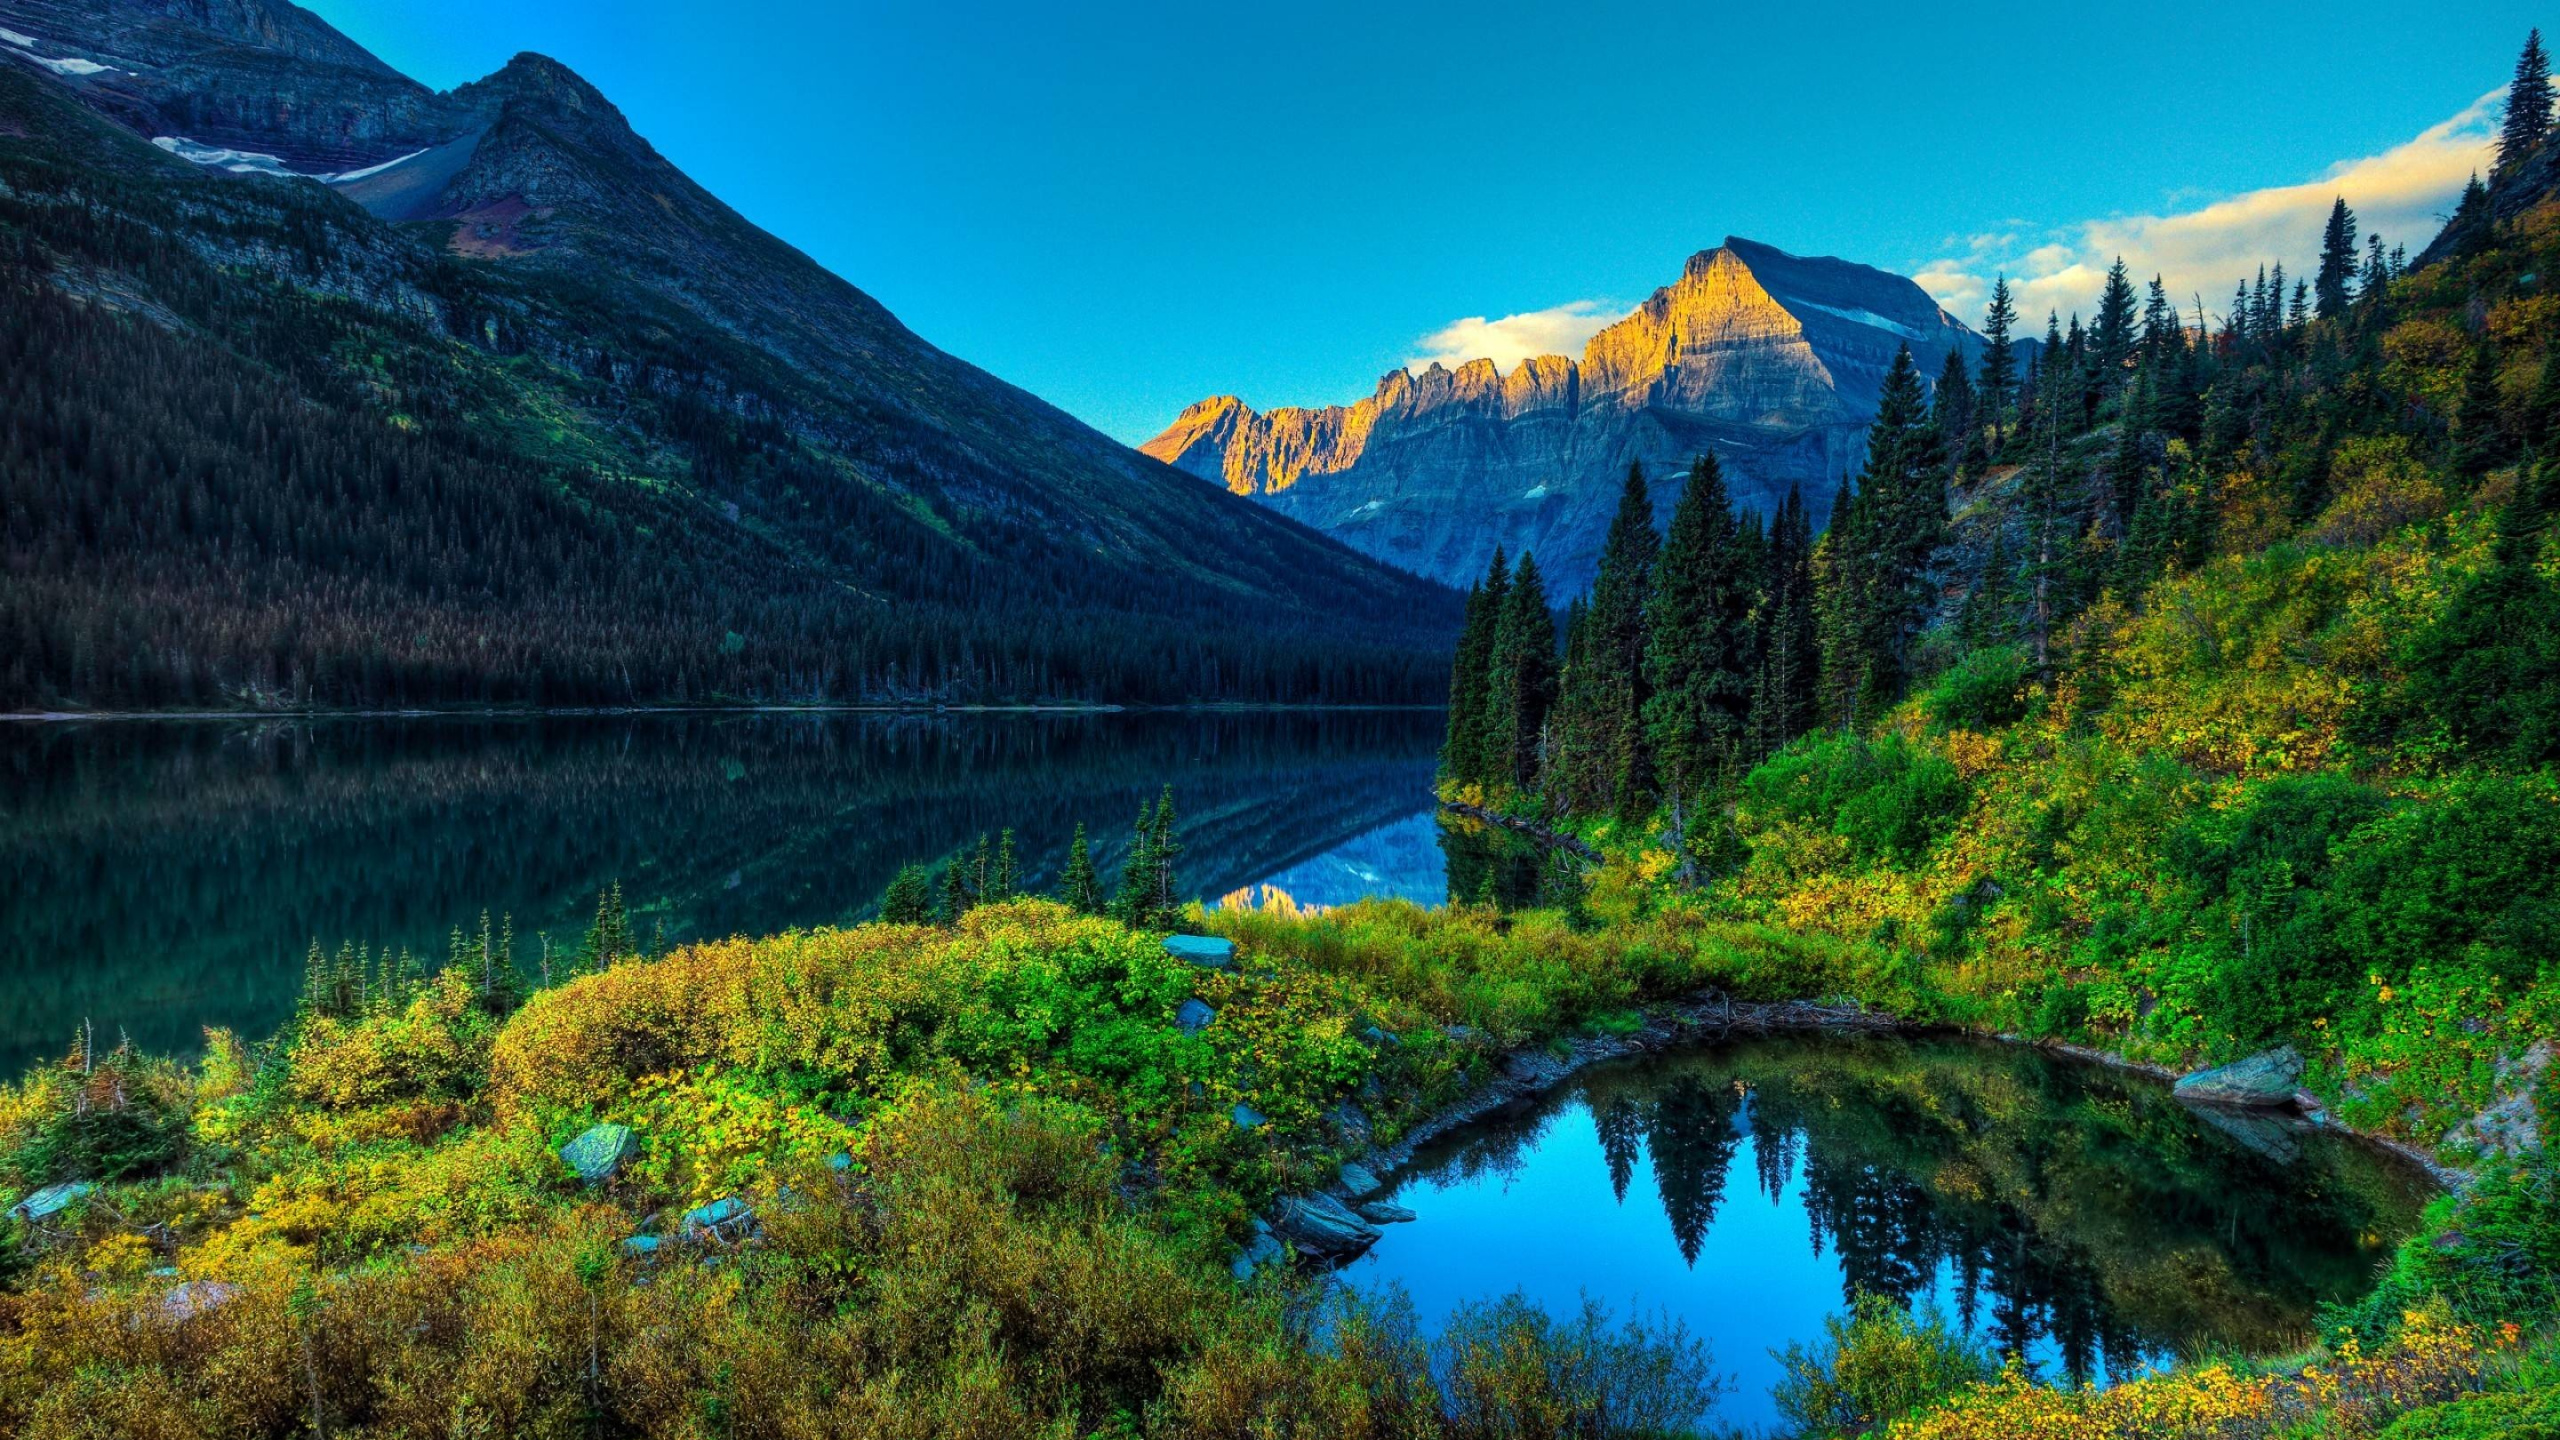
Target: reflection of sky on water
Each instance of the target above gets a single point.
(1401, 860)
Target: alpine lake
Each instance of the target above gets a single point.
(158, 877)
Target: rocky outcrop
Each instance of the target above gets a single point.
(1771, 360)
(2268, 1080)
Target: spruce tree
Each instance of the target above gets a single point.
(2112, 338)
(608, 939)
(2479, 434)
(1000, 885)
(1696, 642)
(1164, 891)
(2528, 121)
(1788, 647)
(1462, 754)
(1605, 724)
(909, 898)
(1953, 405)
(1079, 887)
(1131, 904)
(955, 893)
(1999, 358)
(2337, 261)
(1523, 680)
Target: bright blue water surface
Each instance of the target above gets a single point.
(2075, 1216)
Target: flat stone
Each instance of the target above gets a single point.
(1381, 1212)
(641, 1247)
(1323, 1226)
(1348, 1121)
(52, 1200)
(1248, 1118)
(1358, 1182)
(1194, 1016)
(2265, 1080)
(196, 1297)
(728, 1218)
(1206, 951)
(599, 1154)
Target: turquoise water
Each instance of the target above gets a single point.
(161, 876)
(2071, 1215)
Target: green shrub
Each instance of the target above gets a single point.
(1986, 690)
(1890, 799)
(1874, 1365)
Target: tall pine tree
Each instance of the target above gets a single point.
(2528, 121)
(2337, 261)
(1999, 359)
(1602, 731)
(1522, 680)
(1697, 645)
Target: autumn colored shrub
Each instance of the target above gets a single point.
(1876, 1364)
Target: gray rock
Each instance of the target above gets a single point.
(1382, 1212)
(1380, 1038)
(1247, 1118)
(641, 1247)
(1206, 951)
(1194, 1016)
(599, 1154)
(196, 1297)
(1358, 1182)
(1348, 1122)
(1463, 1034)
(1261, 1250)
(1322, 1225)
(2277, 1137)
(727, 1220)
(52, 1200)
(2265, 1080)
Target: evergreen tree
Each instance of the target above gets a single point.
(1602, 731)
(1697, 639)
(608, 939)
(1079, 887)
(1461, 753)
(1784, 694)
(1000, 885)
(1883, 549)
(1953, 404)
(2337, 261)
(1164, 847)
(1999, 358)
(2112, 338)
(1523, 680)
(1134, 902)
(909, 898)
(955, 893)
(2473, 222)
(2528, 121)
(1989, 616)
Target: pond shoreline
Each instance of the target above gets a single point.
(1527, 1073)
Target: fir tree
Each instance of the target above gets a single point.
(2528, 121)
(909, 898)
(1000, 884)
(1697, 640)
(1079, 887)
(1163, 848)
(1132, 904)
(1953, 404)
(608, 939)
(1460, 752)
(1522, 682)
(2112, 337)
(1999, 358)
(2337, 261)
(1788, 648)
(955, 893)
(1603, 728)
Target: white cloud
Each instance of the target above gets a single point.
(2401, 194)
(1556, 330)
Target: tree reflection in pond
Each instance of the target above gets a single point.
(2072, 1215)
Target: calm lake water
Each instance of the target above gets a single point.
(160, 876)
(2064, 1212)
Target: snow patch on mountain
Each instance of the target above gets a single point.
(23, 42)
(1863, 317)
(344, 176)
(258, 162)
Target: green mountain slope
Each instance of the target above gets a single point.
(530, 417)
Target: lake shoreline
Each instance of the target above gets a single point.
(57, 717)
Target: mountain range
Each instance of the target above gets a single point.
(1773, 361)
(692, 463)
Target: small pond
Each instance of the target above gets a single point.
(2071, 1214)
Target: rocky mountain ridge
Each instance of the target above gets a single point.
(1774, 361)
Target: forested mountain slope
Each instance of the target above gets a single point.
(508, 410)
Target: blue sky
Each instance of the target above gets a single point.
(1126, 207)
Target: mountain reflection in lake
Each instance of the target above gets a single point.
(156, 877)
(2069, 1214)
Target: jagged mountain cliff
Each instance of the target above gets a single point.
(1772, 360)
(745, 478)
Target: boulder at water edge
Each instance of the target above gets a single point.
(600, 1153)
(2267, 1080)
(1382, 1212)
(1358, 1182)
(1321, 1225)
(1206, 951)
